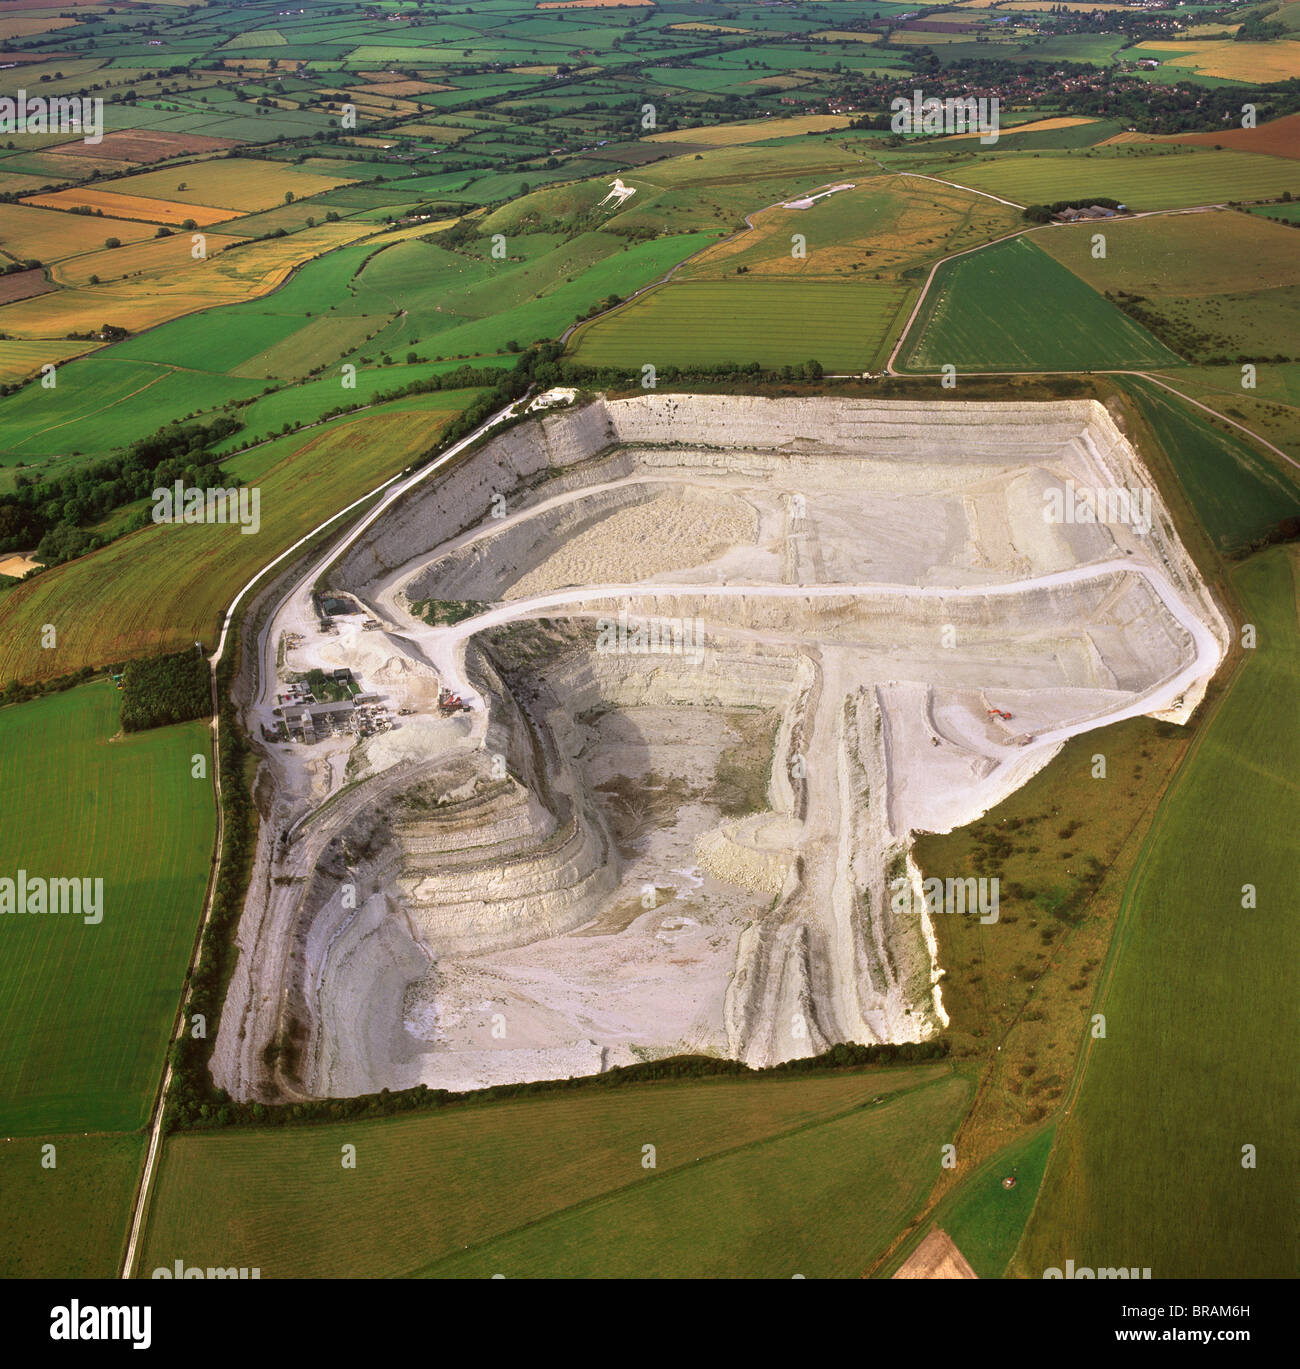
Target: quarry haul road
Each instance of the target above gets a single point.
(447, 642)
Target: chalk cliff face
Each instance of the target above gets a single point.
(641, 843)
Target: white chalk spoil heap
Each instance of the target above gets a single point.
(617, 854)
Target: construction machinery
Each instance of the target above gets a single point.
(451, 703)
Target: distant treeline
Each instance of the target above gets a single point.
(54, 513)
(1288, 530)
(165, 690)
(1077, 88)
(16, 693)
(1183, 107)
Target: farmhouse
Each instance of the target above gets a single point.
(1093, 211)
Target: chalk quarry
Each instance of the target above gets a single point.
(618, 854)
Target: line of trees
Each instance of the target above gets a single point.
(220, 1110)
(56, 514)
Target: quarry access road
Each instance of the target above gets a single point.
(396, 487)
(445, 645)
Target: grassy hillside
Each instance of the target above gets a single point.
(1211, 285)
(1237, 492)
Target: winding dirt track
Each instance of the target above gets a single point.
(445, 646)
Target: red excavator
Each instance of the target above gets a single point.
(998, 713)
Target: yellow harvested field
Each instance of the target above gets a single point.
(146, 301)
(392, 77)
(418, 230)
(27, 232)
(23, 26)
(402, 88)
(728, 135)
(151, 256)
(20, 359)
(368, 104)
(16, 565)
(782, 82)
(1278, 61)
(242, 183)
(1080, 5)
(1034, 126)
(590, 4)
(169, 212)
(707, 28)
(937, 1257)
(846, 36)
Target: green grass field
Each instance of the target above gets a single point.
(69, 1222)
(1148, 1168)
(1272, 409)
(753, 1177)
(307, 402)
(456, 305)
(986, 1220)
(1143, 179)
(1238, 494)
(1216, 285)
(85, 1011)
(1285, 213)
(102, 403)
(1010, 307)
(775, 323)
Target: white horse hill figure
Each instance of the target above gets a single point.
(618, 192)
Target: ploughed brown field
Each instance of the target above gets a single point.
(144, 145)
